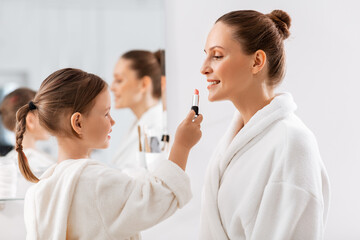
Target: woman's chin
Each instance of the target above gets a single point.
(212, 98)
(118, 106)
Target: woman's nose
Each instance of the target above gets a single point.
(112, 86)
(205, 68)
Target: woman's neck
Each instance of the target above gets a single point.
(143, 106)
(252, 101)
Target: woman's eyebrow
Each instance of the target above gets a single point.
(217, 46)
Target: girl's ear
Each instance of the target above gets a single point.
(30, 121)
(76, 122)
(259, 61)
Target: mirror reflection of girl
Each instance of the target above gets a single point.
(266, 179)
(39, 161)
(80, 198)
(137, 85)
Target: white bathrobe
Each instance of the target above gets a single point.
(266, 181)
(84, 199)
(8, 178)
(127, 156)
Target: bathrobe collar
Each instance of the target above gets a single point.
(232, 143)
(280, 107)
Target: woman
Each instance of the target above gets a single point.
(266, 179)
(79, 198)
(39, 161)
(137, 85)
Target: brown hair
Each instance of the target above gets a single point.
(11, 103)
(257, 31)
(146, 63)
(61, 94)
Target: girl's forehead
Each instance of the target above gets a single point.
(103, 99)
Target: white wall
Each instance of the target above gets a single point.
(322, 75)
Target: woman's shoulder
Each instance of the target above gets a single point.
(299, 147)
(12, 155)
(39, 160)
(295, 132)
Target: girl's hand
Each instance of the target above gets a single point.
(188, 133)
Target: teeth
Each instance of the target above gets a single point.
(213, 83)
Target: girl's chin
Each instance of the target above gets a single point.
(104, 146)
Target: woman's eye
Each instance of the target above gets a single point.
(217, 57)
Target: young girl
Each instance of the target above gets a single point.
(39, 161)
(79, 198)
(266, 179)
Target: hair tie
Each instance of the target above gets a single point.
(32, 105)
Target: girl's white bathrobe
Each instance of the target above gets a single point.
(266, 180)
(83, 199)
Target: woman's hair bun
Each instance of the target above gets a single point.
(160, 57)
(282, 21)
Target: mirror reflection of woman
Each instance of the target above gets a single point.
(266, 179)
(137, 85)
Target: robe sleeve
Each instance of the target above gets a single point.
(129, 205)
(288, 212)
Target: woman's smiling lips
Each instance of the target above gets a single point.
(212, 83)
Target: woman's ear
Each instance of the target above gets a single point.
(163, 83)
(146, 83)
(259, 61)
(76, 123)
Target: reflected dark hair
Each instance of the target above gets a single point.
(11, 103)
(61, 94)
(146, 63)
(257, 31)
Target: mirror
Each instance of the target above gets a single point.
(39, 37)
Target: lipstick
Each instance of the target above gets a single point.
(195, 102)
